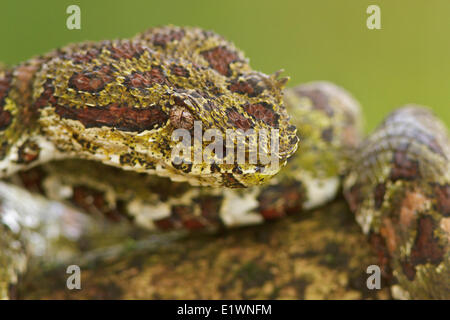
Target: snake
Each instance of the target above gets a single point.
(92, 125)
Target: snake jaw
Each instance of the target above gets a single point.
(119, 102)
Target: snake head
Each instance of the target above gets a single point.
(126, 99)
(240, 109)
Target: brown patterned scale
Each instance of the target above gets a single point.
(120, 102)
(87, 124)
(399, 189)
(309, 179)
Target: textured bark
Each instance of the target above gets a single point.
(314, 255)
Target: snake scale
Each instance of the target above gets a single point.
(91, 125)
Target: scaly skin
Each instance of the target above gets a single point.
(328, 120)
(399, 189)
(118, 103)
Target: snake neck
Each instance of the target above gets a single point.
(18, 114)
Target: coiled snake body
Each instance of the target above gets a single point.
(91, 125)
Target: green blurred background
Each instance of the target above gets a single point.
(408, 60)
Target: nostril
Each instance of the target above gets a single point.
(181, 118)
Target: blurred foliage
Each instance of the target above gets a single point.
(407, 61)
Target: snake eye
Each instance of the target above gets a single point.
(181, 118)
